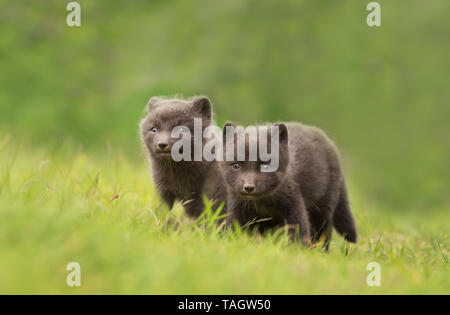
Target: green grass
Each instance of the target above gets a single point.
(56, 207)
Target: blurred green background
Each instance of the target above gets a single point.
(381, 93)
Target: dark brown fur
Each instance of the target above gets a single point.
(307, 192)
(185, 181)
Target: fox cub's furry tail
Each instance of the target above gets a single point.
(343, 220)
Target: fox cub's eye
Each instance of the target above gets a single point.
(236, 166)
(154, 129)
(182, 129)
(265, 166)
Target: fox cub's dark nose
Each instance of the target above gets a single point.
(163, 145)
(249, 188)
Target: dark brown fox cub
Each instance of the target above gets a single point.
(185, 181)
(307, 191)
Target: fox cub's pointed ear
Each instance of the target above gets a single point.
(152, 103)
(202, 105)
(282, 132)
(224, 130)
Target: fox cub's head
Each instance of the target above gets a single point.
(255, 159)
(165, 116)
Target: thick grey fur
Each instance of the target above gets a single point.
(186, 181)
(307, 192)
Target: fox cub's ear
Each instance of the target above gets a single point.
(152, 103)
(224, 130)
(282, 132)
(229, 124)
(202, 106)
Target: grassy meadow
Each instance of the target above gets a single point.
(60, 204)
(75, 185)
